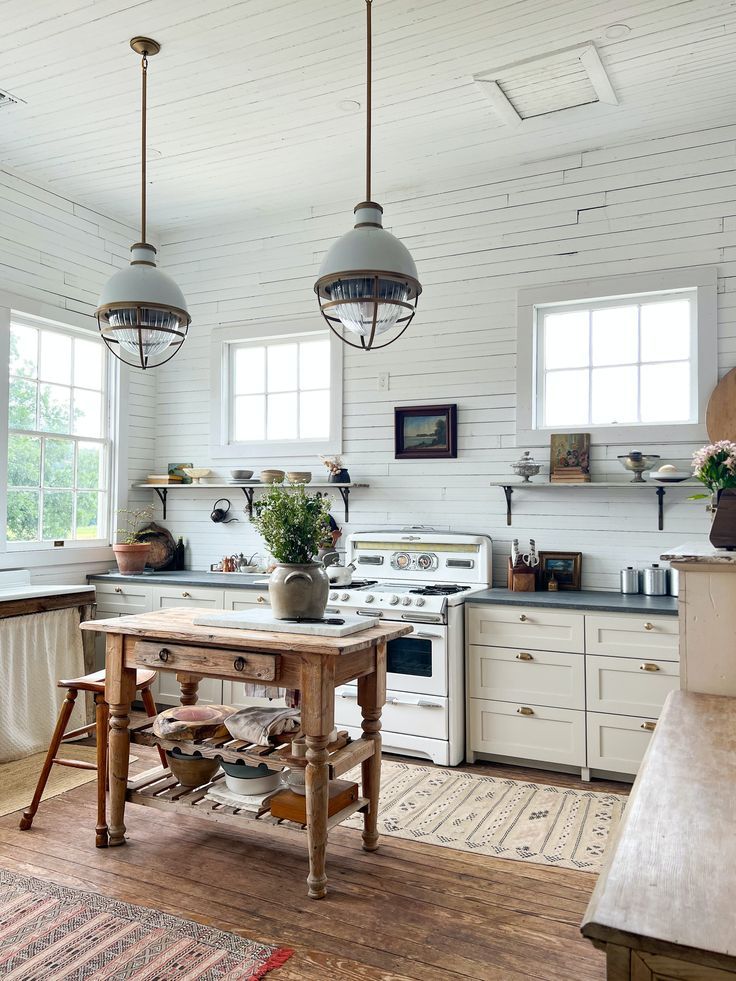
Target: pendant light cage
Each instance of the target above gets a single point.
(142, 314)
(368, 286)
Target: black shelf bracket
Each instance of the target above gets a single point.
(508, 491)
(248, 491)
(162, 495)
(660, 508)
(345, 495)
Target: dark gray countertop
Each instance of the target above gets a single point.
(190, 577)
(599, 600)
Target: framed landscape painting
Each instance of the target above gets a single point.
(425, 432)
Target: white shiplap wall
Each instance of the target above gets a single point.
(640, 207)
(56, 253)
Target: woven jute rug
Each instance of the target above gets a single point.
(526, 822)
(53, 933)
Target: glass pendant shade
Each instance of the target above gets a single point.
(368, 282)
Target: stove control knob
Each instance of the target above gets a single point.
(393, 599)
(406, 601)
(333, 596)
(345, 597)
(420, 601)
(369, 598)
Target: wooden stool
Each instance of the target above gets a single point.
(94, 683)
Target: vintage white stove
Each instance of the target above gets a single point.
(423, 578)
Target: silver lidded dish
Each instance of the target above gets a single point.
(526, 467)
(638, 463)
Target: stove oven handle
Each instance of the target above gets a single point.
(426, 636)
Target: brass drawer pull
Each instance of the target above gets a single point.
(186, 595)
(118, 589)
(648, 726)
(525, 710)
(523, 618)
(649, 667)
(164, 655)
(260, 599)
(649, 626)
(239, 664)
(523, 656)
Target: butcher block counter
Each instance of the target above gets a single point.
(168, 640)
(665, 906)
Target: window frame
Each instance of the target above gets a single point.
(16, 310)
(224, 340)
(702, 281)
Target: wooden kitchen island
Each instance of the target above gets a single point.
(167, 640)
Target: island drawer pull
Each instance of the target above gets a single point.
(164, 655)
(649, 667)
(239, 664)
(524, 656)
(525, 710)
(649, 726)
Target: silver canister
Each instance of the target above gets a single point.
(674, 582)
(629, 580)
(654, 580)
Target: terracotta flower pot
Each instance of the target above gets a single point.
(131, 559)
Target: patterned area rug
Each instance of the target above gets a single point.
(52, 933)
(526, 822)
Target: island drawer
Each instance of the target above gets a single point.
(234, 664)
(629, 686)
(529, 732)
(527, 628)
(617, 743)
(655, 638)
(508, 674)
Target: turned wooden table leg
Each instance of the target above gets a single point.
(103, 723)
(318, 712)
(119, 693)
(189, 685)
(371, 698)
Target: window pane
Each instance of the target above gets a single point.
(615, 335)
(88, 364)
(249, 418)
(314, 415)
(23, 351)
(665, 392)
(613, 398)
(314, 364)
(57, 515)
(89, 465)
(56, 357)
(566, 339)
(22, 516)
(58, 463)
(566, 398)
(250, 370)
(53, 408)
(282, 415)
(665, 331)
(22, 404)
(282, 368)
(87, 413)
(89, 516)
(24, 461)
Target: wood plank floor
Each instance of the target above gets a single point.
(409, 912)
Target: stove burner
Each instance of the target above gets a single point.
(438, 590)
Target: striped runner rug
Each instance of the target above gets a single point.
(53, 933)
(526, 822)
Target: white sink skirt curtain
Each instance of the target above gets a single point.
(36, 651)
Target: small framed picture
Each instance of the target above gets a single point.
(425, 432)
(564, 567)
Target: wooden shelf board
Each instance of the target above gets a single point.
(593, 483)
(245, 483)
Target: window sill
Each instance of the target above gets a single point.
(51, 558)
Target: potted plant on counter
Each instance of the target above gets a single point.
(130, 552)
(294, 524)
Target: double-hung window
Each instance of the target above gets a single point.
(58, 458)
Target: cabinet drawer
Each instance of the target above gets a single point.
(653, 638)
(122, 598)
(628, 686)
(549, 735)
(617, 742)
(508, 674)
(526, 628)
(414, 715)
(186, 596)
(233, 664)
(245, 599)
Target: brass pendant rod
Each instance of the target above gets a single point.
(144, 95)
(368, 100)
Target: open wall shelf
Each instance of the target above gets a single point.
(647, 487)
(249, 488)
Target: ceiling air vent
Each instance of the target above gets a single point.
(7, 100)
(547, 83)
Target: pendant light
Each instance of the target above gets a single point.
(367, 283)
(142, 314)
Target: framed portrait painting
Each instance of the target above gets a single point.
(425, 432)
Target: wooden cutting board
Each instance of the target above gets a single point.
(720, 416)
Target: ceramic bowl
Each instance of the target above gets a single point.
(271, 476)
(299, 476)
(241, 474)
(196, 473)
(250, 780)
(191, 771)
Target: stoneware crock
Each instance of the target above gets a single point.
(298, 590)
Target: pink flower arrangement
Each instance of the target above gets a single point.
(715, 465)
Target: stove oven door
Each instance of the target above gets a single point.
(417, 663)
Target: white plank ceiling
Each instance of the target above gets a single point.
(247, 99)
